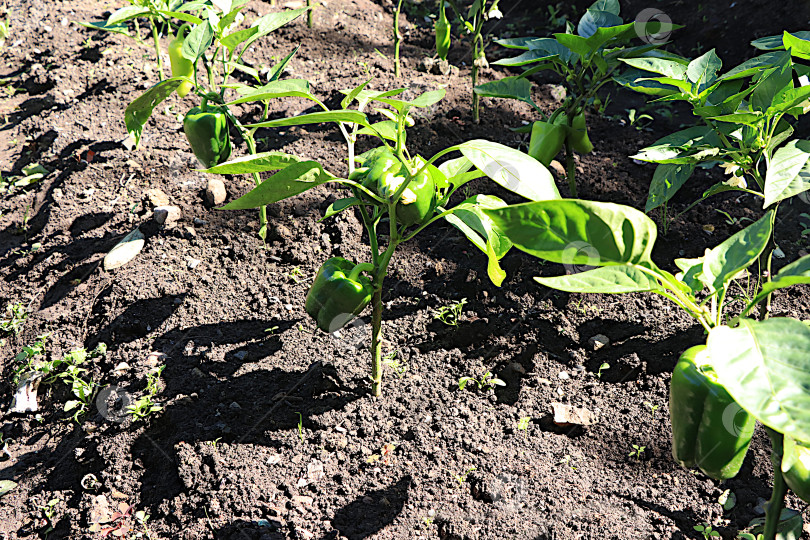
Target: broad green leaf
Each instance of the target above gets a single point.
(423, 100)
(594, 19)
(773, 43)
(702, 71)
(788, 173)
(799, 47)
(353, 93)
(765, 366)
(366, 96)
(186, 17)
(277, 70)
(796, 273)
(673, 147)
(516, 43)
(512, 169)
(339, 206)
(789, 98)
(684, 86)
(271, 22)
(262, 162)
(667, 180)
(529, 57)
(102, 25)
(603, 35)
(637, 80)
(773, 82)
(127, 13)
(662, 66)
(611, 6)
(577, 44)
(353, 117)
(579, 232)
(753, 66)
(554, 48)
(138, 112)
(292, 180)
(468, 217)
(387, 129)
(746, 118)
(608, 279)
(276, 89)
(197, 41)
(737, 253)
(518, 88)
(232, 40)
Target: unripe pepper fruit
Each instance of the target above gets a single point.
(796, 468)
(709, 429)
(181, 66)
(546, 141)
(443, 29)
(338, 293)
(206, 129)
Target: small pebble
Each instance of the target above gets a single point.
(598, 341)
(166, 215)
(192, 263)
(563, 375)
(214, 192)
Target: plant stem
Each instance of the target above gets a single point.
(570, 169)
(478, 52)
(397, 39)
(157, 47)
(376, 341)
(309, 14)
(777, 502)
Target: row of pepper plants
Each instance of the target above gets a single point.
(752, 367)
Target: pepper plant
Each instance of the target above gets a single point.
(744, 120)
(748, 369)
(480, 12)
(159, 13)
(205, 58)
(396, 195)
(585, 59)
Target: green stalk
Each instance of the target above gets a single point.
(397, 39)
(478, 52)
(777, 502)
(309, 14)
(157, 47)
(570, 169)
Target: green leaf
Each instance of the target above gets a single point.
(667, 180)
(789, 98)
(594, 19)
(71, 404)
(294, 179)
(796, 273)
(608, 279)
(468, 217)
(674, 147)
(232, 40)
(604, 35)
(387, 129)
(663, 66)
(197, 41)
(752, 119)
(753, 66)
(271, 22)
(186, 17)
(737, 253)
(262, 162)
(637, 80)
(127, 13)
(799, 47)
(516, 43)
(702, 71)
(773, 43)
(577, 44)
(773, 82)
(103, 25)
(339, 206)
(353, 117)
(529, 57)
(353, 93)
(423, 100)
(765, 366)
(518, 88)
(512, 169)
(138, 112)
(276, 89)
(579, 232)
(788, 173)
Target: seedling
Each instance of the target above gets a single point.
(602, 368)
(707, 531)
(450, 314)
(145, 405)
(462, 477)
(296, 274)
(300, 426)
(637, 452)
(400, 368)
(638, 120)
(48, 513)
(486, 382)
(653, 408)
(15, 317)
(523, 424)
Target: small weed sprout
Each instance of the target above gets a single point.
(296, 274)
(523, 424)
(602, 368)
(451, 314)
(707, 531)
(400, 368)
(300, 426)
(14, 319)
(462, 477)
(653, 408)
(145, 405)
(486, 382)
(637, 452)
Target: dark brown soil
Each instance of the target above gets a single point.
(268, 429)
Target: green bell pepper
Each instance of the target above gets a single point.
(796, 468)
(709, 429)
(546, 141)
(578, 135)
(339, 293)
(207, 132)
(181, 66)
(442, 28)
